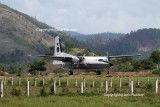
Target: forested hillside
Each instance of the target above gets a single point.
(19, 36)
(141, 41)
(84, 38)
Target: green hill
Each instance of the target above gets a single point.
(19, 36)
(141, 41)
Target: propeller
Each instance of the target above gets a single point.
(81, 58)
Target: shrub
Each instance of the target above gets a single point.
(126, 84)
(51, 90)
(65, 89)
(2, 74)
(156, 72)
(116, 90)
(43, 92)
(19, 74)
(15, 92)
(41, 83)
(149, 86)
(9, 82)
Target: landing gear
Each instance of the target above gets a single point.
(70, 72)
(107, 70)
(98, 72)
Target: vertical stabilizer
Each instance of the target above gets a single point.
(57, 49)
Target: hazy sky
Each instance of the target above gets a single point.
(92, 16)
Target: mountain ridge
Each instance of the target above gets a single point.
(19, 36)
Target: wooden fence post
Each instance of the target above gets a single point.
(111, 82)
(1, 88)
(106, 86)
(131, 87)
(76, 82)
(12, 81)
(93, 84)
(35, 82)
(43, 81)
(27, 88)
(120, 85)
(138, 82)
(101, 83)
(67, 82)
(148, 81)
(81, 87)
(129, 83)
(156, 86)
(54, 87)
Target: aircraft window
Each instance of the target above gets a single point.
(57, 49)
(100, 60)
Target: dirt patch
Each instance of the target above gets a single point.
(89, 74)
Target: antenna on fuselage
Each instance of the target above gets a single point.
(107, 54)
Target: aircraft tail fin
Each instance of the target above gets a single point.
(57, 49)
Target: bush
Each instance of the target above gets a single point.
(43, 92)
(147, 64)
(2, 74)
(51, 90)
(126, 84)
(149, 86)
(65, 89)
(41, 83)
(19, 74)
(126, 67)
(15, 92)
(9, 82)
(156, 72)
(116, 90)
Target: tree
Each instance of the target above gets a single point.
(147, 64)
(37, 66)
(136, 65)
(155, 56)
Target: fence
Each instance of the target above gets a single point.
(85, 83)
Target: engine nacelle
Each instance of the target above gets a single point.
(75, 59)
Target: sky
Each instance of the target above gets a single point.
(92, 16)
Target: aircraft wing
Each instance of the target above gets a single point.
(65, 59)
(122, 56)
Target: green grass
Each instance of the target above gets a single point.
(92, 97)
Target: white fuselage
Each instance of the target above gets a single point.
(89, 62)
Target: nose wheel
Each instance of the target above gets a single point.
(98, 72)
(107, 70)
(70, 72)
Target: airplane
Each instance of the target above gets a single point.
(81, 62)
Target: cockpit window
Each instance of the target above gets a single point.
(100, 60)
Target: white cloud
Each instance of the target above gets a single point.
(93, 16)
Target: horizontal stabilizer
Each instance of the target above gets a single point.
(122, 56)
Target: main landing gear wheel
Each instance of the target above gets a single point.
(98, 72)
(70, 72)
(107, 72)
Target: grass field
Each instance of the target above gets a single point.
(68, 96)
